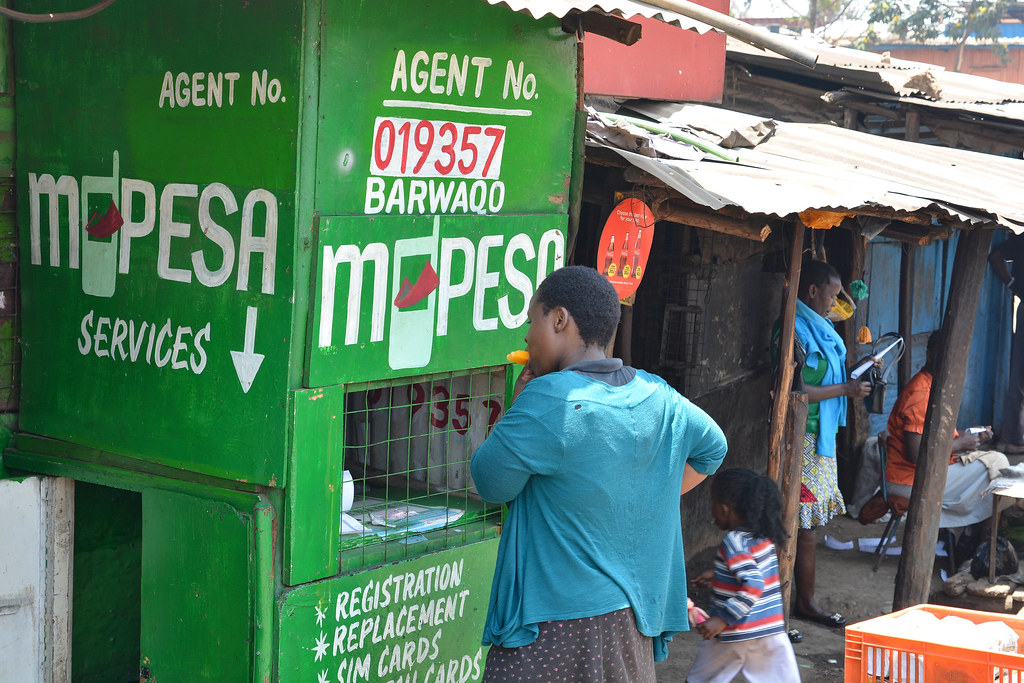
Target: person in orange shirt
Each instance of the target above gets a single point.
(962, 502)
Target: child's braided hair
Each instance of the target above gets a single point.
(755, 498)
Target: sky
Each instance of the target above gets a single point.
(778, 8)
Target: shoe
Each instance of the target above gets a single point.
(794, 635)
(834, 620)
(1008, 448)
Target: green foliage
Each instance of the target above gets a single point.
(868, 40)
(922, 20)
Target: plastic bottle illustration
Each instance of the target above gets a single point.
(624, 253)
(412, 331)
(609, 255)
(99, 253)
(636, 252)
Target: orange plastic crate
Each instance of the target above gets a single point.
(873, 657)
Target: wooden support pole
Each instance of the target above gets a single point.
(857, 419)
(912, 132)
(780, 401)
(906, 323)
(792, 470)
(849, 118)
(916, 562)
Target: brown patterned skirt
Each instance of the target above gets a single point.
(603, 649)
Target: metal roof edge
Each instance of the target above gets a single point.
(697, 18)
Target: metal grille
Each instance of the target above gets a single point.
(686, 302)
(408, 448)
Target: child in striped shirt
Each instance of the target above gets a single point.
(745, 631)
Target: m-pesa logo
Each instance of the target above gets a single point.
(105, 216)
(414, 282)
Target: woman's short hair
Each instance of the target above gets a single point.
(816, 273)
(588, 296)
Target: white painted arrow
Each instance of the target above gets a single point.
(247, 362)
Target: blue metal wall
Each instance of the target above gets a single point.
(988, 359)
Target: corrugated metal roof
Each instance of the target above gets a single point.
(799, 167)
(686, 14)
(622, 8)
(889, 75)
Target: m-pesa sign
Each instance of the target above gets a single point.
(156, 208)
(100, 248)
(404, 296)
(170, 297)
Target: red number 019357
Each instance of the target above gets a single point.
(436, 149)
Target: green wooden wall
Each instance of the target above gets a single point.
(229, 210)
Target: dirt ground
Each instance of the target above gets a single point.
(845, 584)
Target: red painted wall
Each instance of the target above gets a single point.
(667, 63)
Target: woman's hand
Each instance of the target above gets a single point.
(712, 627)
(856, 388)
(704, 579)
(969, 441)
(524, 378)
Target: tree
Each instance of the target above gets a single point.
(923, 20)
(812, 14)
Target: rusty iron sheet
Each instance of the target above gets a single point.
(857, 70)
(814, 166)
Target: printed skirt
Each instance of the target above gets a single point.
(820, 498)
(602, 649)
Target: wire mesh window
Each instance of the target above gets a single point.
(408, 447)
(687, 282)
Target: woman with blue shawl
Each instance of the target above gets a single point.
(827, 385)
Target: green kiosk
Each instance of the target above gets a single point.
(273, 254)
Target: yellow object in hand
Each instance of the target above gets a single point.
(519, 357)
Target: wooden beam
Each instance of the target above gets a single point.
(611, 27)
(792, 471)
(916, 562)
(710, 221)
(990, 136)
(784, 374)
(874, 109)
(912, 130)
(908, 235)
(811, 94)
(906, 323)
(922, 218)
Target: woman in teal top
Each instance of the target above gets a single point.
(827, 385)
(592, 456)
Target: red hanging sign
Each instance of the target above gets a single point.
(625, 245)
